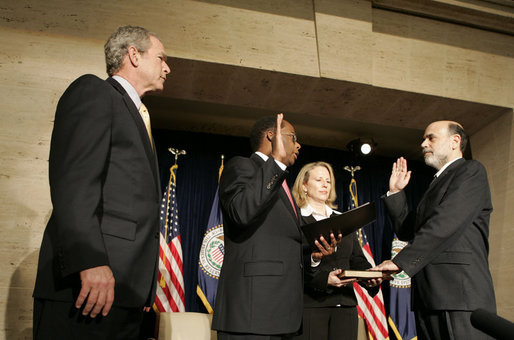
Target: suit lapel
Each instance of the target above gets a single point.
(446, 171)
(435, 184)
(281, 192)
(143, 134)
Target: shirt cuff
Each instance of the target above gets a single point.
(314, 263)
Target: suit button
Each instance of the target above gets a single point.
(301, 265)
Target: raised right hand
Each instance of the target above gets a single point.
(278, 150)
(97, 291)
(400, 177)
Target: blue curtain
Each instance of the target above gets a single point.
(197, 178)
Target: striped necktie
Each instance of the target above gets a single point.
(286, 189)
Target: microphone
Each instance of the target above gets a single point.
(492, 324)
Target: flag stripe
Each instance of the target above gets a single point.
(371, 309)
(376, 320)
(174, 296)
(166, 297)
(172, 274)
(170, 295)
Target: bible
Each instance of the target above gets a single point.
(360, 274)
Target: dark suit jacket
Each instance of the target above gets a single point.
(448, 256)
(347, 256)
(105, 193)
(260, 289)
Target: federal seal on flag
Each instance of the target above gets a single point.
(400, 280)
(212, 251)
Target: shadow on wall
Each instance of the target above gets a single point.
(18, 310)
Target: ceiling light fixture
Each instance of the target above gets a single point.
(362, 146)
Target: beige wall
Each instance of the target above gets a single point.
(494, 146)
(35, 70)
(46, 44)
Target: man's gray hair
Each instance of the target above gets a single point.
(119, 42)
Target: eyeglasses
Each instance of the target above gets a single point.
(295, 140)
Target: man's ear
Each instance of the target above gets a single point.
(133, 55)
(456, 139)
(269, 134)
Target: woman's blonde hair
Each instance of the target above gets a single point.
(300, 196)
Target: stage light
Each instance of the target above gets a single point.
(361, 146)
(365, 148)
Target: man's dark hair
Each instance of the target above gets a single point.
(260, 127)
(456, 129)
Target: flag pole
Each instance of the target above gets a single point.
(353, 184)
(221, 167)
(173, 177)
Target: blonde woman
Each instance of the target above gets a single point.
(329, 302)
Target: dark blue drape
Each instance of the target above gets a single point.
(197, 177)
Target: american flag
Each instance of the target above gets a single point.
(170, 287)
(371, 309)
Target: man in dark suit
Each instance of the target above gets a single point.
(98, 259)
(260, 291)
(447, 257)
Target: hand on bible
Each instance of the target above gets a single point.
(389, 268)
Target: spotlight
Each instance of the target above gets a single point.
(361, 146)
(365, 148)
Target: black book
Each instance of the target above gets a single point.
(345, 223)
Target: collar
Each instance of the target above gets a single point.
(131, 91)
(308, 210)
(263, 156)
(445, 166)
